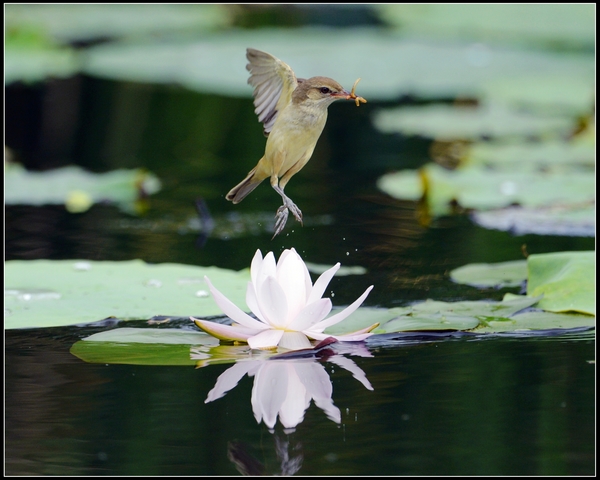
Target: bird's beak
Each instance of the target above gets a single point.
(345, 94)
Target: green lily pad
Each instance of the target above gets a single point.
(143, 346)
(153, 346)
(216, 63)
(504, 274)
(79, 22)
(484, 189)
(534, 156)
(163, 336)
(49, 293)
(561, 93)
(38, 62)
(343, 271)
(576, 220)
(431, 321)
(76, 188)
(569, 25)
(37, 35)
(567, 280)
(361, 318)
(448, 122)
(532, 320)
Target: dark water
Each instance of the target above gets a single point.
(455, 407)
(501, 406)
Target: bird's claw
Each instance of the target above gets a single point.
(281, 218)
(295, 211)
(353, 95)
(282, 215)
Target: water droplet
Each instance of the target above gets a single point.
(508, 188)
(202, 293)
(347, 253)
(82, 266)
(28, 294)
(153, 283)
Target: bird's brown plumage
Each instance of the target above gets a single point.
(293, 112)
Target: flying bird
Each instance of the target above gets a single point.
(293, 112)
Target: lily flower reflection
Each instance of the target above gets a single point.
(284, 387)
(288, 307)
(289, 457)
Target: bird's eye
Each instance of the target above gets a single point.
(324, 90)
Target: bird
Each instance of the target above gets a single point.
(293, 112)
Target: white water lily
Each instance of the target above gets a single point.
(289, 309)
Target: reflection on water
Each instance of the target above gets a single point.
(288, 455)
(284, 388)
(503, 406)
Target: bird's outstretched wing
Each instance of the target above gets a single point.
(273, 82)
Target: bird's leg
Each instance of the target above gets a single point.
(283, 212)
(288, 204)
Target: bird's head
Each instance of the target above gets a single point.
(319, 91)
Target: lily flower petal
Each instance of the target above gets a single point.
(289, 309)
(268, 268)
(355, 336)
(291, 276)
(233, 311)
(225, 332)
(266, 339)
(320, 285)
(252, 302)
(255, 266)
(294, 341)
(338, 317)
(341, 338)
(273, 303)
(311, 314)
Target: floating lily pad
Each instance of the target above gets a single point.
(152, 346)
(449, 122)
(534, 156)
(49, 293)
(342, 272)
(527, 321)
(567, 280)
(567, 25)
(576, 220)
(79, 22)
(141, 346)
(402, 66)
(37, 62)
(76, 188)
(561, 93)
(504, 274)
(484, 189)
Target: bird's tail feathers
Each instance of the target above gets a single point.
(242, 189)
